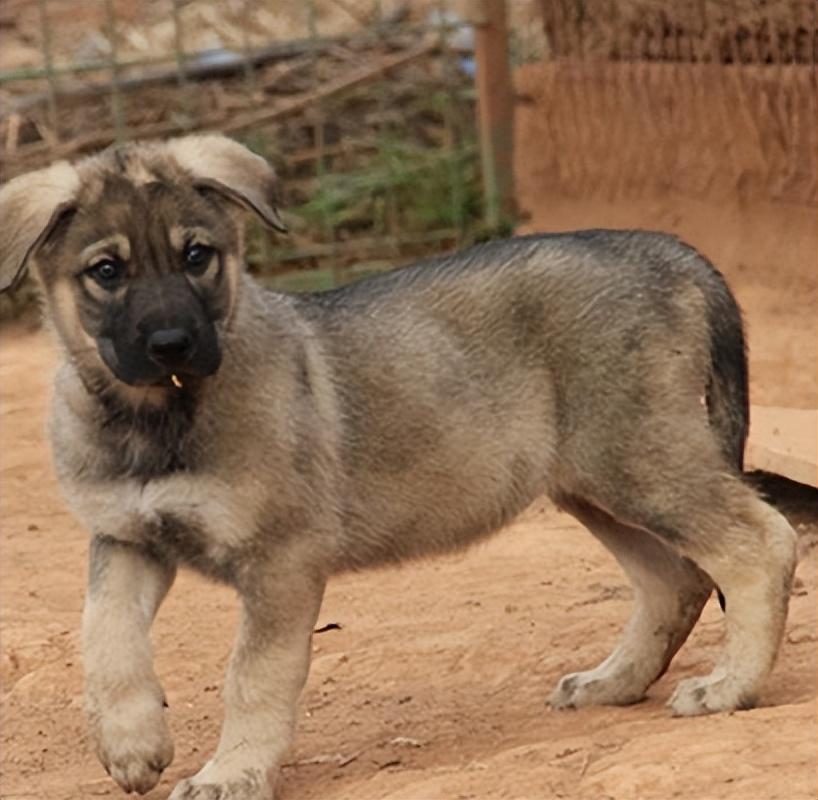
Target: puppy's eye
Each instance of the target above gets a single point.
(197, 257)
(109, 273)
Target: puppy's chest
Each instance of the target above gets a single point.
(150, 455)
(185, 538)
(189, 517)
(172, 500)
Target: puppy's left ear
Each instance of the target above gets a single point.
(232, 170)
(30, 207)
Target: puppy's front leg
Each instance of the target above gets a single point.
(123, 699)
(266, 674)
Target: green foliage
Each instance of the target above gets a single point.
(405, 187)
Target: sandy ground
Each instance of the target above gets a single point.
(439, 697)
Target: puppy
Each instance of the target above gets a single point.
(270, 441)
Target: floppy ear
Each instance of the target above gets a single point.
(232, 170)
(29, 208)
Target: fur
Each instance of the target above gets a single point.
(399, 417)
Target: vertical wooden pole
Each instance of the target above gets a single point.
(116, 95)
(246, 24)
(181, 78)
(495, 101)
(45, 27)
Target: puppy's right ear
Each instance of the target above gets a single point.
(30, 207)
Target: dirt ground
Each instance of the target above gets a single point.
(442, 696)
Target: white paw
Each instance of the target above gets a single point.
(708, 695)
(593, 687)
(133, 742)
(246, 784)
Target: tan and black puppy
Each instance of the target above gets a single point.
(270, 441)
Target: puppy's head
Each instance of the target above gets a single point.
(138, 251)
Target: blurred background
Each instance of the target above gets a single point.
(401, 129)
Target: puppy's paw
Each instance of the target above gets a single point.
(249, 784)
(709, 695)
(593, 688)
(133, 742)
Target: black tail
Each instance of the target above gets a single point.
(728, 396)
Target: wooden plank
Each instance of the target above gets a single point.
(495, 109)
(362, 246)
(198, 67)
(784, 441)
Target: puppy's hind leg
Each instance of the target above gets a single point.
(670, 593)
(752, 557)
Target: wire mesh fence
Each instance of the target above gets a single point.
(708, 99)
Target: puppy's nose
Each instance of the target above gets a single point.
(170, 346)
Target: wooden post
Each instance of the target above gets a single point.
(495, 101)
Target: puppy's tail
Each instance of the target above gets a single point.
(727, 394)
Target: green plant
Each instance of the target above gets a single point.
(403, 187)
